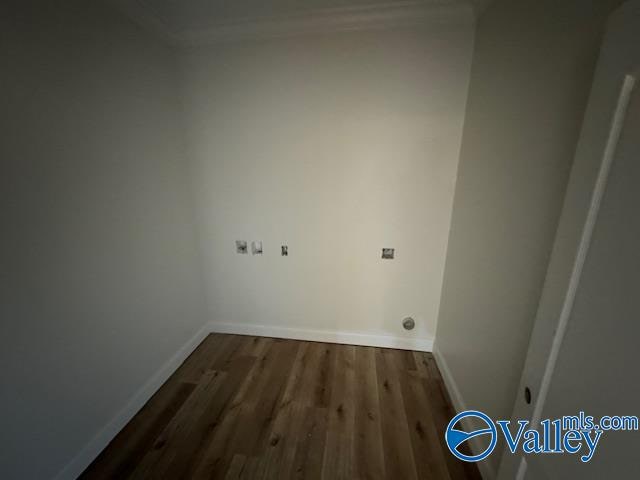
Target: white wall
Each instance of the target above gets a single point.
(99, 283)
(532, 72)
(336, 146)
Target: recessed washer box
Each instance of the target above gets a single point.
(241, 247)
(388, 253)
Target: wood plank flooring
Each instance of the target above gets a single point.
(244, 407)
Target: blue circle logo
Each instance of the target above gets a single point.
(455, 437)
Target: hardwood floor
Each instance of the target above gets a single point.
(254, 407)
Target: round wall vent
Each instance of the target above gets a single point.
(408, 323)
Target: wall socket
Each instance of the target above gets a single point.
(388, 253)
(284, 250)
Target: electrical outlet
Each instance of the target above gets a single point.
(284, 250)
(388, 253)
(256, 248)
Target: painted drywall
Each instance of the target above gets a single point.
(532, 71)
(100, 282)
(336, 146)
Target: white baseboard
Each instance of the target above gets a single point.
(329, 336)
(487, 470)
(83, 459)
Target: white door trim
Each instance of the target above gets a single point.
(585, 241)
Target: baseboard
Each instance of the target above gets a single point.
(81, 461)
(487, 470)
(329, 336)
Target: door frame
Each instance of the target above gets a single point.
(614, 81)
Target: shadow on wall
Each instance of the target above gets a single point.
(98, 245)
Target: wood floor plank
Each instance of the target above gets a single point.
(427, 449)
(259, 351)
(254, 346)
(236, 467)
(309, 455)
(176, 434)
(217, 455)
(248, 428)
(422, 367)
(190, 453)
(338, 458)
(266, 407)
(430, 360)
(277, 459)
(396, 440)
(300, 373)
(367, 448)
(137, 438)
(200, 360)
(313, 386)
(228, 353)
(244, 407)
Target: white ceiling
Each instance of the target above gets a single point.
(192, 22)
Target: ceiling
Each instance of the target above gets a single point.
(194, 22)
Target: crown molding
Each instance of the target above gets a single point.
(378, 16)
